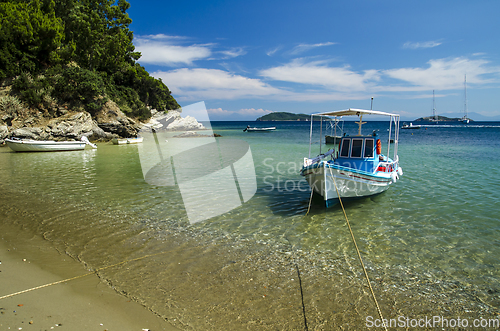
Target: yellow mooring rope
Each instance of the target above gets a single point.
(310, 200)
(76, 277)
(359, 254)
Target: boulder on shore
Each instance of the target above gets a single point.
(111, 119)
(173, 121)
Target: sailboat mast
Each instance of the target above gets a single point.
(465, 96)
(434, 106)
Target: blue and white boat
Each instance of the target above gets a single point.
(356, 168)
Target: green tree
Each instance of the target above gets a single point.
(98, 33)
(30, 35)
(79, 52)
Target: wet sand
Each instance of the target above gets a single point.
(85, 303)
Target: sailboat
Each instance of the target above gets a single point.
(434, 117)
(465, 119)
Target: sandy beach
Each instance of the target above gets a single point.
(84, 303)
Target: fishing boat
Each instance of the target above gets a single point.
(356, 168)
(249, 129)
(125, 141)
(411, 126)
(28, 145)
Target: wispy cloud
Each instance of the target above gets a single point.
(417, 45)
(163, 50)
(233, 52)
(271, 52)
(306, 47)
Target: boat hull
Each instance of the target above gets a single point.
(126, 141)
(260, 129)
(44, 145)
(327, 179)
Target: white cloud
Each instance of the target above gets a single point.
(161, 50)
(213, 84)
(425, 44)
(305, 47)
(445, 74)
(202, 84)
(319, 74)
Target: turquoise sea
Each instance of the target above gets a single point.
(430, 242)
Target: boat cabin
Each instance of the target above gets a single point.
(359, 152)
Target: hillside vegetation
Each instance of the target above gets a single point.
(78, 53)
(284, 116)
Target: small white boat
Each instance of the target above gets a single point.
(249, 129)
(126, 141)
(357, 168)
(411, 126)
(28, 145)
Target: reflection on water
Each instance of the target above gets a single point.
(432, 237)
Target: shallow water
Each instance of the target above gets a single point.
(430, 242)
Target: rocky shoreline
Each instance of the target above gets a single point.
(109, 123)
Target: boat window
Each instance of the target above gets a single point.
(357, 145)
(344, 151)
(369, 148)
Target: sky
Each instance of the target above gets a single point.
(245, 59)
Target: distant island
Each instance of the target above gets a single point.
(439, 119)
(284, 116)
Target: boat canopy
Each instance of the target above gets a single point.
(352, 111)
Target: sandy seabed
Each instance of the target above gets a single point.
(84, 303)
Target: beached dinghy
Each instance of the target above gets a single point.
(125, 141)
(27, 145)
(357, 168)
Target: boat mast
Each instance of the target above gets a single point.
(360, 123)
(465, 97)
(320, 132)
(310, 135)
(434, 107)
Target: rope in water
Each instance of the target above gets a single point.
(310, 200)
(76, 277)
(359, 254)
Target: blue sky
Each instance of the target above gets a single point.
(249, 58)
